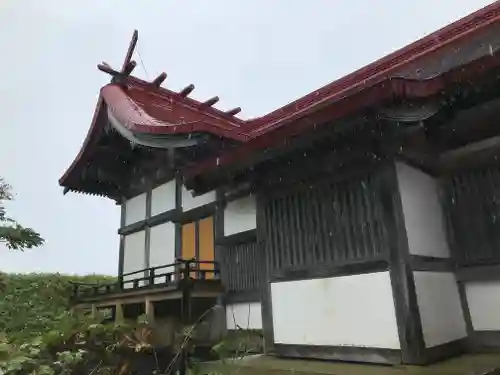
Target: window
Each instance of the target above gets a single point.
(198, 242)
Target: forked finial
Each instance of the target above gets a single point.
(128, 64)
(130, 50)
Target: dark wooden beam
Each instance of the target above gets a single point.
(115, 74)
(402, 280)
(129, 68)
(482, 149)
(107, 69)
(233, 111)
(186, 90)
(159, 80)
(210, 102)
(106, 64)
(130, 51)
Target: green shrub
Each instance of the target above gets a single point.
(31, 303)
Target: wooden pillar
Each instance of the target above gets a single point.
(150, 311)
(402, 280)
(119, 317)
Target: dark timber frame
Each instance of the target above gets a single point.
(394, 258)
(241, 278)
(243, 292)
(469, 198)
(175, 215)
(410, 106)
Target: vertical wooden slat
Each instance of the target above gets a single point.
(316, 222)
(333, 232)
(271, 239)
(346, 223)
(298, 226)
(473, 215)
(325, 223)
(365, 246)
(355, 221)
(241, 267)
(372, 240)
(285, 213)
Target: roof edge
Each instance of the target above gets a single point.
(445, 36)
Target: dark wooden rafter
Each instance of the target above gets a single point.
(129, 65)
(233, 112)
(210, 102)
(186, 90)
(159, 79)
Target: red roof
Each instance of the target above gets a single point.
(398, 73)
(147, 111)
(420, 69)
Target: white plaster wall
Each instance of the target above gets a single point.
(422, 211)
(244, 316)
(353, 310)
(440, 308)
(135, 209)
(162, 248)
(189, 202)
(163, 198)
(240, 215)
(483, 298)
(134, 255)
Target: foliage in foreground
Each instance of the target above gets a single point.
(13, 234)
(31, 303)
(41, 337)
(80, 344)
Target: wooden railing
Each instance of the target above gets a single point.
(151, 277)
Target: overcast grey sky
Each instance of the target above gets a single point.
(257, 54)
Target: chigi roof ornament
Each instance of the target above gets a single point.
(129, 65)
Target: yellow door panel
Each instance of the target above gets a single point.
(188, 250)
(206, 244)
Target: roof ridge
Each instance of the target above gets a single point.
(163, 92)
(435, 40)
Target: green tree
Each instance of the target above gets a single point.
(13, 234)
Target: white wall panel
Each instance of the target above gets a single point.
(483, 298)
(353, 310)
(162, 247)
(440, 308)
(135, 209)
(163, 198)
(134, 255)
(240, 215)
(189, 202)
(244, 316)
(422, 211)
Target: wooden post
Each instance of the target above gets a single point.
(150, 310)
(186, 312)
(119, 317)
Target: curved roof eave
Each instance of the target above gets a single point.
(134, 117)
(135, 120)
(99, 112)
